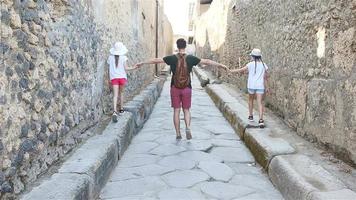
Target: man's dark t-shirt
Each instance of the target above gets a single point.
(173, 61)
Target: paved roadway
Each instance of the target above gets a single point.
(215, 164)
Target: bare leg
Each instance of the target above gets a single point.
(187, 118)
(250, 104)
(260, 105)
(176, 120)
(116, 92)
(121, 96)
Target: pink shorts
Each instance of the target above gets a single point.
(181, 97)
(118, 81)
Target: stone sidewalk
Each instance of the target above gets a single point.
(215, 164)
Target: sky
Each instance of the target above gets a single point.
(177, 13)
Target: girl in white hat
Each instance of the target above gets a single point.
(256, 83)
(118, 78)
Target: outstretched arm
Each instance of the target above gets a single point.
(213, 63)
(130, 68)
(244, 69)
(151, 61)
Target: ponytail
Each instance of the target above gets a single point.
(258, 58)
(117, 60)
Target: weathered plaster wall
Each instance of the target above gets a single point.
(310, 47)
(53, 75)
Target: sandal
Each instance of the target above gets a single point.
(188, 133)
(178, 137)
(114, 117)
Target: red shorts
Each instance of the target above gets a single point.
(118, 81)
(181, 97)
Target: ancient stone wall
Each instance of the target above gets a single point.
(53, 75)
(310, 47)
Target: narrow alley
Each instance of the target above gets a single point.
(214, 164)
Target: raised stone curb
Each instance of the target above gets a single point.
(295, 175)
(298, 177)
(264, 145)
(86, 171)
(203, 78)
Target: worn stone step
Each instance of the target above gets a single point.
(264, 145)
(203, 78)
(298, 177)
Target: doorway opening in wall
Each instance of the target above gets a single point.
(190, 40)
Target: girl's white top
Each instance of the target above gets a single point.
(256, 80)
(117, 71)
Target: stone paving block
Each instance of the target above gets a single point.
(142, 147)
(185, 179)
(180, 194)
(230, 154)
(166, 150)
(224, 190)
(198, 156)
(226, 143)
(296, 176)
(216, 170)
(146, 187)
(197, 145)
(120, 174)
(177, 162)
(138, 160)
(95, 162)
(264, 145)
(62, 187)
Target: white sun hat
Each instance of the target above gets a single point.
(118, 49)
(256, 52)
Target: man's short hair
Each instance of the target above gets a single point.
(181, 43)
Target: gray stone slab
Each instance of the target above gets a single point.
(120, 174)
(166, 150)
(230, 154)
(264, 145)
(143, 147)
(221, 128)
(227, 137)
(185, 179)
(62, 187)
(137, 160)
(180, 194)
(260, 183)
(216, 170)
(197, 145)
(226, 143)
(224, 190)
(246, 168)
(95, 162)
(198, 156)
(145, 137)
(177, 162)
(147, 186)
(296, 176)
(344, 194)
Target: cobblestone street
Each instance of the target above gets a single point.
(215, 164)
